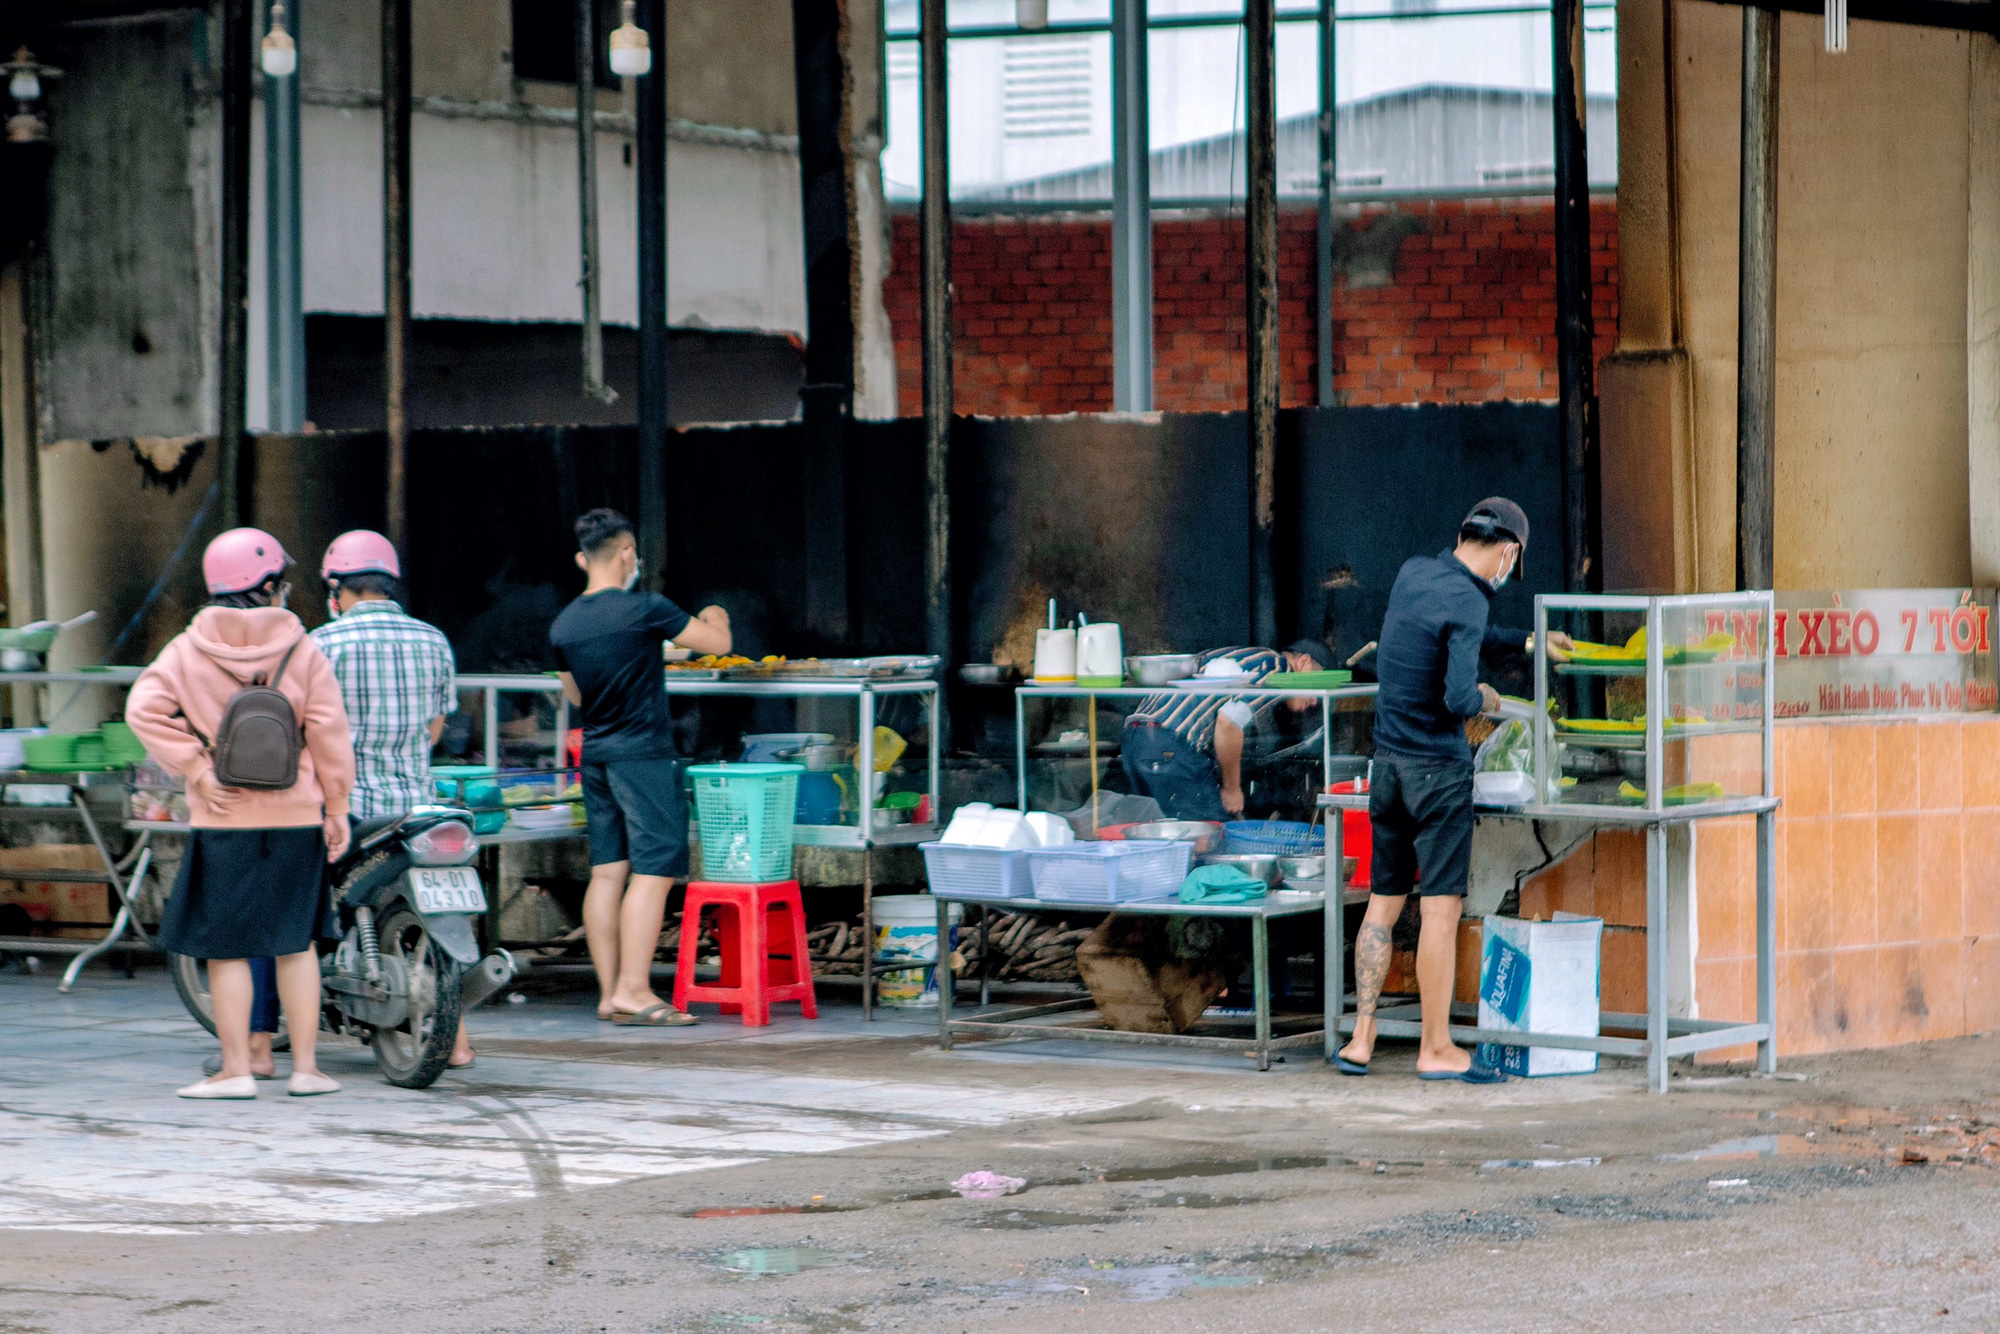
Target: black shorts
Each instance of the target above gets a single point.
(1421, 810)
(636, 813)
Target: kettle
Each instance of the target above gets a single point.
(1100, 655)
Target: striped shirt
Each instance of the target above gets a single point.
(1191, 714)
(396, 675)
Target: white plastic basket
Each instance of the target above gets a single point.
(1110, 872)
(982, 873)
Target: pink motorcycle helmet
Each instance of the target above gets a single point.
(242, 559)
(360, 552)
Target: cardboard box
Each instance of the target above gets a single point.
(50, 902)
(1541, 977)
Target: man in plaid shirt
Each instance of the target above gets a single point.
(396, 676)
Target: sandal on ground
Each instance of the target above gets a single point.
(1475, 1074)
(213, 1066)
(311, 1085)
(662, 1015)
(238, 1086)
(1347, 1067)
(465, 1064)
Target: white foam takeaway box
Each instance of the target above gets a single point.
(1540, 977)
(979, 825)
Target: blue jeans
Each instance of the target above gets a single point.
(1161, 764)
(263, 995)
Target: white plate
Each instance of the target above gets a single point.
(447, 889)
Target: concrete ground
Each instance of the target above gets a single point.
(584, 1177)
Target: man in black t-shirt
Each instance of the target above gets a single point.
(608, 644)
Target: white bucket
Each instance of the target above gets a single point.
(906, 928)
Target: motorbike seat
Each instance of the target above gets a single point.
(369, 831)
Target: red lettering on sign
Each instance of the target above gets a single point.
(1867, 632)
(1748, 627)
(1811, 622)
(1837, 645)
(1940, 618)
(1909, 629)
(1964, 630)
(1985, 614)
(1778, 633)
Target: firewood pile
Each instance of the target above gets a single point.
(1026, 947)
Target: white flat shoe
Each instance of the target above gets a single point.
(307, 1086)
(242, 1086)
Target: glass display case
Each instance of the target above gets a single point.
(1664, 701)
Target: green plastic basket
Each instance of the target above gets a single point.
(745, 813)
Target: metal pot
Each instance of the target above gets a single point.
(1302, 868)
(1263, 866)
(1205, 835)
(1158, 669)
(818, 759)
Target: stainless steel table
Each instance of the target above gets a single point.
(1024, 1020)
(121, 874)
(1666, 1037)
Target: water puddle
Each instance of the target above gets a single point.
(759, 1210)
(1492, 1163)
(1017, 1220)
(778, 1260)
(1135, 1283)
(1166, 1200)
(1753, 1146)
(1218, 1167)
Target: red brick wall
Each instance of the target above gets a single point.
(1469, 317)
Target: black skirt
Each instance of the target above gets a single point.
(249, 894)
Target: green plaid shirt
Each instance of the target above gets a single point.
(396, 674)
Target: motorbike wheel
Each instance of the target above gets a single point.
(413, 1054)
(191, 981)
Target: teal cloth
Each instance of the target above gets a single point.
(1221, 884)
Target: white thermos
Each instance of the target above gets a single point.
(1100, 655)
(1055, 655)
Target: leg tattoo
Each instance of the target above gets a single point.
(1372, 948)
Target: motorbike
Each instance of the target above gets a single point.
(408, 964)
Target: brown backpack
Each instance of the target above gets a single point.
(258, 741)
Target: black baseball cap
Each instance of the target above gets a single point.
(1501, 515)
(1315, 649)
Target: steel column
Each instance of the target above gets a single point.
(1757, 303)
(237, 35)
(937, 305)
(1575, 330)
(1329, 180)
(284, 256)
(591, 276)
(654, 408)
(1260, 228)
(1131, 213)
(826, 399)
(396, 259)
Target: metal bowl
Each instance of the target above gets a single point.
(1206, 836)
(986, 673)
(1302, 868)
(1263, 866)
(1158, 669)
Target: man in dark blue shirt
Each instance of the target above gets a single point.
(608, 644)
(1420, 796)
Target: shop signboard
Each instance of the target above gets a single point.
(1883, 650)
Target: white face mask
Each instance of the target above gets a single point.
(632, 579)
(1507, 573)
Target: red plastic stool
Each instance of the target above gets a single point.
(760, 966)
(1357, 836)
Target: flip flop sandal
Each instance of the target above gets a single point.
(1347, 1067)
(461, 1065)
(1477, 1074)
(653, 1016)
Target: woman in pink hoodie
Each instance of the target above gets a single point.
(253, 883)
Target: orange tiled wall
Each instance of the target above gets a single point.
(1888, 885)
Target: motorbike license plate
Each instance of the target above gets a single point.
(448, 889)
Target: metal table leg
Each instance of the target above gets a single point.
(985, 954)
(126, 920)
(947, 980)
(867, 928)
(1656, 957)
(1333, 960)
(1767, 941)
(1260, 980)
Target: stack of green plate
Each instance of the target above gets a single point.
(122, 746)
(52, 753)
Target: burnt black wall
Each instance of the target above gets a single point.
(1139, 520)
